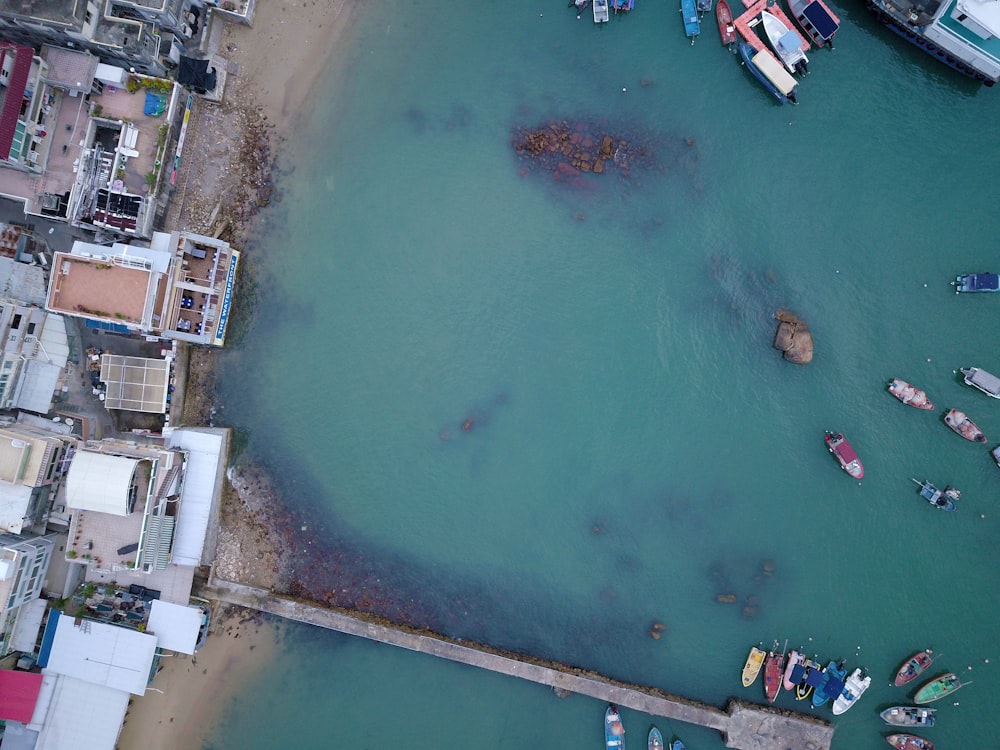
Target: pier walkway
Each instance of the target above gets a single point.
(744, 726)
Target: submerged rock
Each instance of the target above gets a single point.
(793, 338)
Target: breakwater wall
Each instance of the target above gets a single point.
(744, 726)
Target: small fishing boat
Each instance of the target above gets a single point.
(984, 381)
(601, 13)
(909, 742)
(996, 454)
(854, 686)
(727, 31)
(766, 69)
(908, 716)
(773, 669)
(807, 679)
(614, 730)
(977, 282)
(677, 745)
(622, 6)
(579, 5)
(830, 685)
(915, 666)
(845, 454)
(752, 667)
(909, 395)
(938, 688)
(655, 741)
(816, 19)
(692, 21)
(786, 43)
(964, 426)
(703, 6)
(942, 499)
(794, 659)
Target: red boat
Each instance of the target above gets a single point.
(845, 454)
(914, 667)
(909, 742)
(772, 674)
(726, 28)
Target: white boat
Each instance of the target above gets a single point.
(984, 381)
(855, 684)
(601, 13)
(786, 43)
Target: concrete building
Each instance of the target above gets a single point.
(23, 565)
(23, 138)
(33, 357)
(32, 461)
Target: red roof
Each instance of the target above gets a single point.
(11, 111)
(18, 694)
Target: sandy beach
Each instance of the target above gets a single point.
(273, 67)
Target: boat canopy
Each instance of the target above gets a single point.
(979, 282)
(825, 24)
(790, 42)
(776, 74)
(834, 687)
(982, 380)
(797, 671)
(814, 678)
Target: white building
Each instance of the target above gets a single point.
(23, 565)
(35, 350)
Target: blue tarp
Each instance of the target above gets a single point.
(814, 678)
(823, 22)
(155, 104)
(50, 635)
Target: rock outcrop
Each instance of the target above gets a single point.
(793, 338)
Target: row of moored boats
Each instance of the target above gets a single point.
(808, 679)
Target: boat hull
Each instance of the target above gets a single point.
(915, 666)
(909, 742)
(772, 675)
(831, 685)
(727, 31)
(908, 716)
(910, 395)
(938, 688)
(614, 730)
(692, 21)
(854, 687)
(963, 426)
(794, 659)
(747, 53)
(982, 381)
(845, 454)
(970, 283)
(655, 740)
(816, 19)
(601, 13)
(785, 42)
(752, 667)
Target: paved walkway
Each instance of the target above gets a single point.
(744, 726)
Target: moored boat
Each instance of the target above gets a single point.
(854, 686)
(601, 14)
(909, 395)
(614, 730)
(786, 43)
(579, 5)
(830, 685)
(766, 69)
(655, 741)
(807, 680)
(996, 454)
(692, 21)
(914, 667)
(909, 742)
(703, 6)
(622, 6)
(942, 499)
(982, 380)
(677, 745)
(795, 659)
(962, 425)
(816, 19)
(977, 282)
(908, 716)
(845, 454)
(938, 688)
(772, 675)
(752, 667)
(727, 31)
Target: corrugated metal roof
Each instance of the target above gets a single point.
(156, 545)
(11, 112)
(18, 694)
(100, 482)
(78, 714)
(202, 470)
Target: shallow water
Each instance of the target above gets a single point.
(636, 446)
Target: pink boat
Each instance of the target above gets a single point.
(845, 454)
(909, 395)
(914, 667)
(794, 658)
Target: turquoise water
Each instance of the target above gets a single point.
(636, 446)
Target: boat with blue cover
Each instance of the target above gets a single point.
(977, 282)
(614, 730)
(655, 741)
(786, 43)
(806, 677)
(831, 685)
(692, 21)
(622, 6)
(942, 499)
(816, 19)
(678, 745)
(769, 72)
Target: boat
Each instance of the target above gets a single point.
(982, 380)
(786, 43)
(996, 454)
(909, 742)
(579, 5)
(655, 741)
(601, 13)
(964, 426)
(727, 31)
(752, 667)
(773, 669)
(914, 667)
(954, 32)
(943, 499)
(677, 745)
(703, 6)
(909, 395)
(830, 685)
(845, 455)
(622, 6)
(768, 71)
(816, 19)
(692, 21)
(976, 282)
(806, 681)
(794, 659)
(938, 688)
(908, 716)
(854, 686)
(614, 730)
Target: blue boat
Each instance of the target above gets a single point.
(831, 685)
(655, 741)
(943, 499)
(621, 6)
(614, 730)
(678, 745)
(769, 72)
(692, 22)
(977, 282)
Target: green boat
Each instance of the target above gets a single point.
(944, 685)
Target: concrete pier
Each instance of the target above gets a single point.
(744, 726)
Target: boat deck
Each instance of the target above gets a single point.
(751, 17)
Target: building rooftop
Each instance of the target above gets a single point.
(98, 288)
(55, 11)
(135, 383)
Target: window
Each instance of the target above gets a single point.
(31, 328)
(16, 322)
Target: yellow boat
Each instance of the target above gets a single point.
(752, 668)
